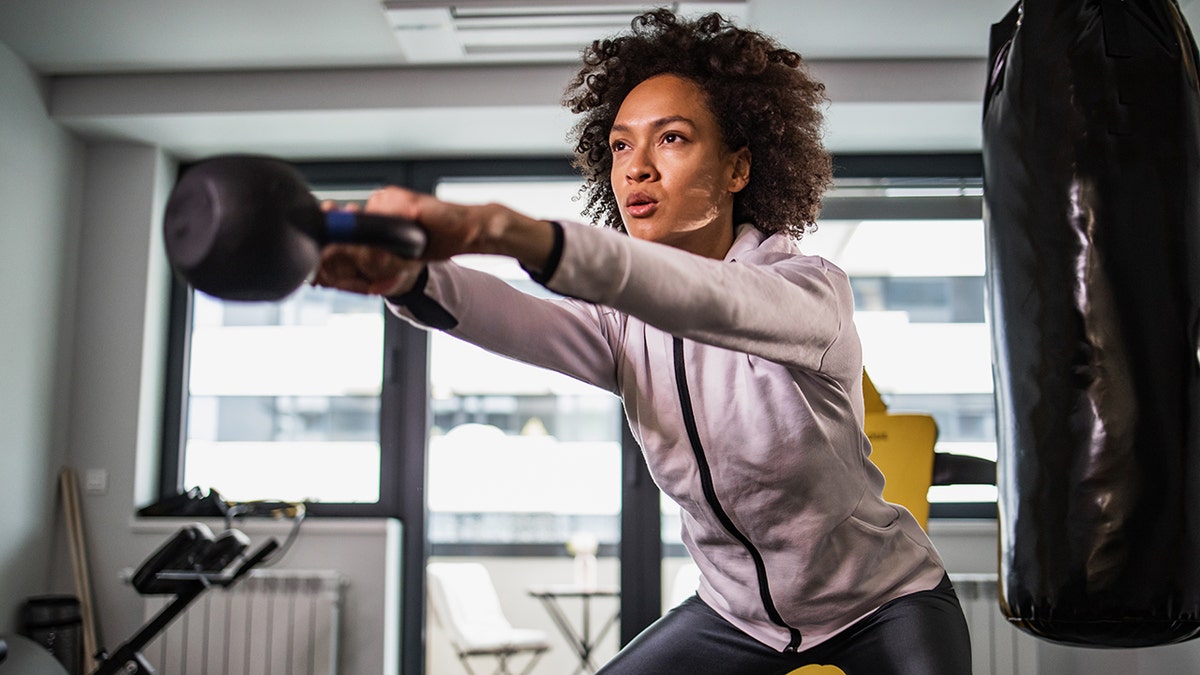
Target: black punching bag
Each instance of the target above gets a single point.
(1091, 132)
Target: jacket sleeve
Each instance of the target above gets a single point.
(566, 335)
(774, 303)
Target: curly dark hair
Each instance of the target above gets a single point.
(760, 93)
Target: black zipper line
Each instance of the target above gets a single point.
(710, 494)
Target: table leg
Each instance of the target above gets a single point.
(568, 631)
(581, 641)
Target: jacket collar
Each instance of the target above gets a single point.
(748, 238)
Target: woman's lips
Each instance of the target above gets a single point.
(640, 206)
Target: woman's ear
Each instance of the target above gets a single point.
(739, 177)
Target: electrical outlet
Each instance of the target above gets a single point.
(95, 481)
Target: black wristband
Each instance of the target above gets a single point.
(552, 261)
(424, 308)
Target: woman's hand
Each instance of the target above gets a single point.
(364, 269)
(451, 229)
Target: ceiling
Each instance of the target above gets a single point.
(90, 36)
(213, 75)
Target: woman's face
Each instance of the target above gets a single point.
(673, 178)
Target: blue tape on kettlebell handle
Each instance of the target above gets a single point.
(340, 225)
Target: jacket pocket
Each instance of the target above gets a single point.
(877, 517)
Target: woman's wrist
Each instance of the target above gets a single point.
(402, 283)
(531, 242)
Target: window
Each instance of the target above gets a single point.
(518, 456)
(283, 398)
(918, 284)
(308, 399)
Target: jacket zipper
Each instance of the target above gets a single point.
(710, 494)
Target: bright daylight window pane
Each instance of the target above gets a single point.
(518, 453)
(283, 398)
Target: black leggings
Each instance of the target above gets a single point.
(919, 634)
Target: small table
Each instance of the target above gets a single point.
(581, 640)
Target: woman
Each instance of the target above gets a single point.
(734, 354)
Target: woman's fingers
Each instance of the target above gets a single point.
(336, 268)
(395, 201)
(364, 269)
(451, 229)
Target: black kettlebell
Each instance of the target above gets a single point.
(246, 227)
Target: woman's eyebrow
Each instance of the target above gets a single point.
(656, 124)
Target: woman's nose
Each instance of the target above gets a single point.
(640, 167)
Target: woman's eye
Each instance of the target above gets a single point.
(671, 137)
(617, 146)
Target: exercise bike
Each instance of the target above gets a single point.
(190, 563)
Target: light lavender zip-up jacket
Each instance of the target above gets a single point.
(742, 381)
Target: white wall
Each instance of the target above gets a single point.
(39, 191)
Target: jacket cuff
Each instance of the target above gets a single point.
(556, 251)
(422, 307)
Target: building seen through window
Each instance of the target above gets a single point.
(283, 398)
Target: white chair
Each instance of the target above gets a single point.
(467, 607)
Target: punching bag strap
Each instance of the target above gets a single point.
(1119, 47)
(1116, 29)
(999, 43)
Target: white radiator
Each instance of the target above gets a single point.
(997, 648)
(272, 622)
